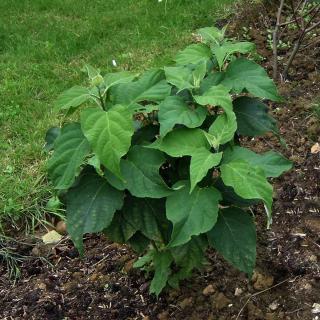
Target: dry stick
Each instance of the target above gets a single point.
(257, 293)
(298, 43)
(275, 42)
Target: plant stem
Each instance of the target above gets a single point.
(101, 99)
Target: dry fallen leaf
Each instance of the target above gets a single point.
(52, 237)
(315, 148)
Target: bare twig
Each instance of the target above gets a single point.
(265, 290)
(275, 41)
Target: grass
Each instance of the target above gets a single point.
(43, 46)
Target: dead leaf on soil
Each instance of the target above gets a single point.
(52, 237)
(315, 148)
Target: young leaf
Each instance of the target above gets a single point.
(173, 110)
(211, 35)
(245, 74)
(109, 134)
(201, 162)
(212, 80)
(191, 214)
(222, 130)
(193, 54)
(253, 118)
(70, 149)
(162, 261)
(223, 51)
(90, 207)
(72, 98)
(180, 76)
(234, 236)
(272, 163)
(150, 87)
(248, 182)
(224, 127)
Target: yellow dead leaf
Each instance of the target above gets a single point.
(51, 237)
(315, 148)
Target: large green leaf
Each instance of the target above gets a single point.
(161, 261)
(112, 79)
(180, 76)
(70, 149)
(137, 214)
(140, 173)
(72, 98)
(181, 142)
(90, 207)
(173, 110)
(248, 182)
(191, 214)
(253, 118)
(51, 136)
(201, 162)
(120, 230)
(213, 79)
(272, 163)
(224, 50)
(234, 236)
(216, 96)
(109, 133)
(245, 74)
(193, 54)
(150, 87)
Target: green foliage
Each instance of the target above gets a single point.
(151, 164)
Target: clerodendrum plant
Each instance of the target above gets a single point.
(154, 160)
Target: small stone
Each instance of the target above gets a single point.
(254, 312)
(163, 315)
(220, 301)
(187, 302)
(209, 290)
(262, 281)
(274, 306)
(42, 286)
(238, 292)
(61, 227)
(146, 318)
(315, 308)
(271, 316)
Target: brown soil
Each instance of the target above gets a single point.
(103, 284)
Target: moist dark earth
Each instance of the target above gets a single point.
(286, 284)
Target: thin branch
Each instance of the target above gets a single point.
(275, 41)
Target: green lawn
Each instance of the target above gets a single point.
(43, 46)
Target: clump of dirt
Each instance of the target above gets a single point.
(103, 284)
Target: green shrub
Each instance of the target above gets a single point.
(155, 161)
